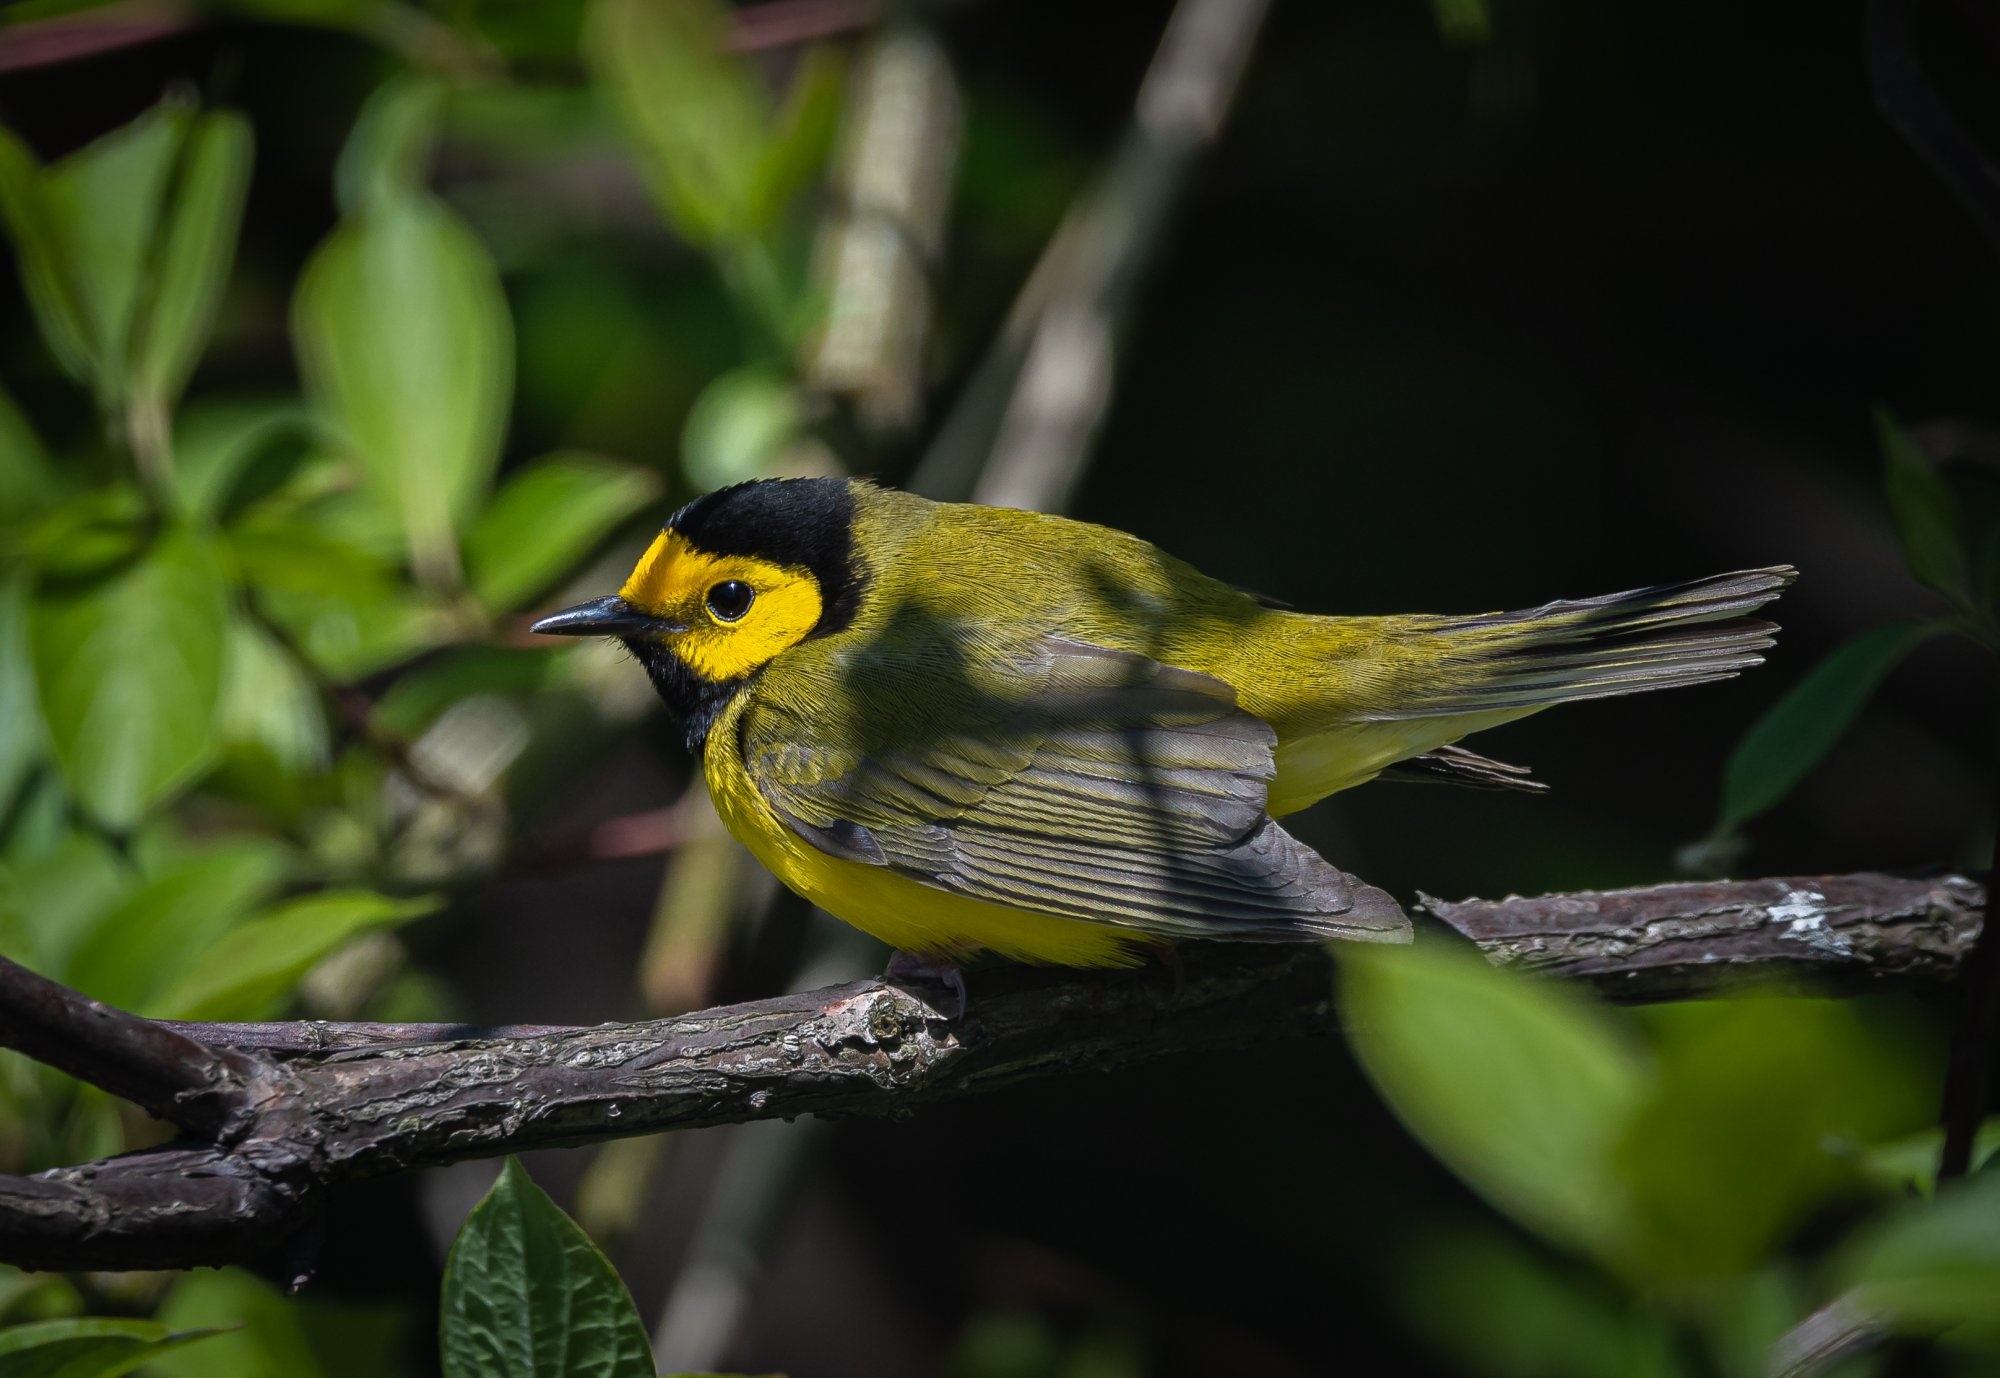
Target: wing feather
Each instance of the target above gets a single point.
(1093, 784)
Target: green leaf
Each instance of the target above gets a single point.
(527, 1295)
(106, 202)
(1798, 731)
(40, 247)
(1522, 1087)
(388, 152)
(421, 696)
(405, 342)
(1908, 1166)
(276, 1336)
(86, 1347)
(152, 934)
(51, 901)
(217, 443)
(1933, 1268)
(197, 246)
(741, 422)
(692, 107)
(22, 740)
(802, 136)
(270, 704)
(299, 555)
(1928, 520)
(249, 971)
(129, 672)
(546, 517)
(27, 483)
(87, 534)
(1755, 1122)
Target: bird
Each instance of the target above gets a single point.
(964, 728)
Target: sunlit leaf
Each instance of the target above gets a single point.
(692, 107)
(1524, 1088)
(742, 421)
(128, 669)
(86, 1347)
(1928, 520)
(1801, 728)
(546, 517)
(248, 972)
(41, 250)
(389, 150)
(1757, 1119)
(404, 338)
(1933, 1268)
(155, 931)
(269, 703)
(106, 201)
(197, 246)
(527, 1295)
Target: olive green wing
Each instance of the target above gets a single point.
(1087, 783)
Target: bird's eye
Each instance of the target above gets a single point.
(730, 599)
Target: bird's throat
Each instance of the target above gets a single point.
(696, 700)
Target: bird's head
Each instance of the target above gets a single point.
(736, 578)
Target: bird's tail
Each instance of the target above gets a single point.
(1622, 643)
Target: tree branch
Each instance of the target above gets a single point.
(369, 1107)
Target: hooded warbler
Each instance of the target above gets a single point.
(961, 727)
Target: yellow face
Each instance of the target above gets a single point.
(740, 612)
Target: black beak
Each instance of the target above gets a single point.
(611, 616)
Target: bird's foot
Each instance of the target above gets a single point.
(910, 968)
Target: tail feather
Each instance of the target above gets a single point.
(1622, 643)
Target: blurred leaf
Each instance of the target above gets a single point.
(1933, 1268)
(88, 533)
(269, 702)
(1908, 1165)
(548, 515)
(1928, 520)
(51, 901)
(1738, 1141)
(197, 246)
(1521, 1086)
(86, 1347)
(802, 137)
(248, 972)
(40, 251)
(105, 202)
(404, 339)
(276, 1336)
(129, 672)
(155, 931)
(388, 153)
(1463, 21)
(22, 740)
(299, 555)
(349, 637)
(742, 421)
(1797, 731)
(27, 484)
(419, 697)
(1499, 1307)
(692, 107)
(217, 442)
(527, 1295)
